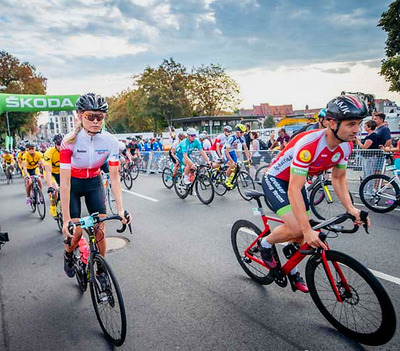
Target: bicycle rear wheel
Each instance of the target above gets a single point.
(40, 203)
(379, 193)
(108, 304)
(366, 313)
(128, 181)
(245, 182)
(260, 172)
(204, 189)
(243, 233)
(167, 177)
(219, 179)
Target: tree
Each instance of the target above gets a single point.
(269, 122)
(390, 23)
(19, 78)
(212, 91)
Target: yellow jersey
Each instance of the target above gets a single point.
(20, 156)
(8, 158)
(52, 157)
(32, 161)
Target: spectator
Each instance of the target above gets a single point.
(255, 152)
(247, 136)
(271, 140)
(282, 139)
(384, 138)
(370, 142)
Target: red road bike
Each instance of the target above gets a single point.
(347, 294)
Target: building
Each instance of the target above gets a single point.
(386, 106)
(265, 110)
(60, 122)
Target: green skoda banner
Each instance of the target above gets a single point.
(36, 103)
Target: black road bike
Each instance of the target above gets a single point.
(36, 197)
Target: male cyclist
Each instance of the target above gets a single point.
(185, 148)
(229, 153)
(52, 172)
(310, 153)
(219, 142)
(31, 160)
(19, 159)
(8, 159)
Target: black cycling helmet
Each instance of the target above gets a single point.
(58, 139)
(91, 102)
(346, 107)
(22, 148)
(30, 144)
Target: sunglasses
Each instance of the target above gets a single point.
(92, 116)
(31, 148)
(192, 135)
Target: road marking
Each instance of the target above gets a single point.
(396, 209)
(140, 195)
(378, 274)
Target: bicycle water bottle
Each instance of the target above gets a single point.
(83, 250)
(290, 249)
(191, 176)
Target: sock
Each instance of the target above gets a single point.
(265, 243)
(293, 271)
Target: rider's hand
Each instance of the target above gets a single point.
(312, 238)
(50, 190)
(124, 220)
(65, 230)
(193, 166)
(355, 212)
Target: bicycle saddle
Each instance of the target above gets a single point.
(254, 193)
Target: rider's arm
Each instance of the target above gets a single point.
(218, 147)
(116, 187)
(65, 188)
(24, 167)
(187, 159)
(47, 171)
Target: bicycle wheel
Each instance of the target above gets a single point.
(244, 182)
(109, 304)
(260, 172)
(321, 206)
(128, 181)
(59, 218)
(366, 313)
(379, 194)
(219, 179)
(167, 177)
(134, 171)
(111, 201)
(204, 189)
(181, 189)
(40, 204)
(243, 233)
(33, 200)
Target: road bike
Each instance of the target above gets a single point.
(201, 183)
(381, 193)
(107, 300)
(126, 176)
(167, 177)
(242, 180)
(218, 177)
(8, 171)
(36, 197)
(133, 167)
(347, 294)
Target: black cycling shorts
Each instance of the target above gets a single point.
(93, 191)
(174, 160)
(276, 195)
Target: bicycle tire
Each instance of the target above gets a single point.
(33, 200)
(375, 202)
(339, 313)
(111, 201)
(204, 185)
(112, 299)
(134, 171)
(219, 179)
(167, 178)
(181, 190)
(59, 218)
(127, 177)
(40, 204)
(260, 171)
(241, 240)
(244, 182)
(320, 207)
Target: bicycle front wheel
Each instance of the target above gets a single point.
(40, 204)
(181, 189)
(379, 193)
(167, 177)
(204, 189)
(243, 233)
(245, 182)
(59, 217)
(366, 313)
(108, 302)
(128, 180)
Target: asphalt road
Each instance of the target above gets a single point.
(182, 286)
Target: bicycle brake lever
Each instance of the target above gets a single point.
(364, 216)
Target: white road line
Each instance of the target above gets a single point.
(140, 195)
(396, 209)
(378, 274)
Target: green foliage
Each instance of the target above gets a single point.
(269, 122)
(390, 23)
(19, 78)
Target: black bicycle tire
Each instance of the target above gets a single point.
(38, 204)
(177, 179)
(262, 168)
(386, 329)
(367, 204)
(202, 179)
(59, 214)
(314, 204)
(242, 194)
(220, 189)
(265, 280)
(134, 171)
(163, 175)
(109, 271)
(128, 175)
(33, 199)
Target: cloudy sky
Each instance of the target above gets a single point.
(279, 51)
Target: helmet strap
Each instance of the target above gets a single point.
(335, 132)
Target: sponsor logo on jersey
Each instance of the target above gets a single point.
(336, 157)
(81, 151)
(305, 156)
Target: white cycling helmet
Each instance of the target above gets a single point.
(191, 131)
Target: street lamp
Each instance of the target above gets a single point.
(3, 87)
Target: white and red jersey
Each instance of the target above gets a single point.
(220, 139)
(308, 153)
(88, 153)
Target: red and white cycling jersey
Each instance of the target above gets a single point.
(220, 139)
(88, 153)
(308, 153)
